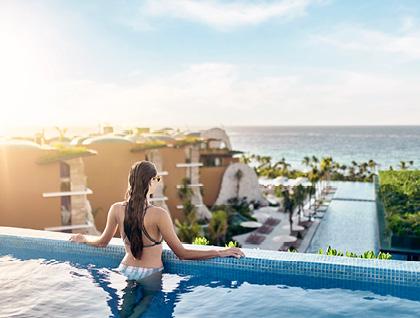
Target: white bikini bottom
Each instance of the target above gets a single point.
(137, 273)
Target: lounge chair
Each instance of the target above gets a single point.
(254, 239)
(272, 221)
(265, 229)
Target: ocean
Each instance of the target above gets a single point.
(387, 145)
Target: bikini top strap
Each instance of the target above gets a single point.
(147, 234)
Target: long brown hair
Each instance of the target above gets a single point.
(138, 185)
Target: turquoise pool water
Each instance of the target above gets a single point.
(350, 222)
(43, 283)
(354, 191)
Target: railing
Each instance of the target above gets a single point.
(384, 235)
(66, 193)
(189, 164)
(158, 199)
(180, 206)
(180, 186)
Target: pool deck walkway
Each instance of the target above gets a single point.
(281, 229)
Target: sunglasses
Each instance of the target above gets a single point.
(156, 178)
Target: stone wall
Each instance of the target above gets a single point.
(193, 173)
(248, 185)
(154, 156)
(81, 210)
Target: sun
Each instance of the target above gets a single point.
(26, 69)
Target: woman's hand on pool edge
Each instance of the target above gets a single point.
(232, 251)
(79, 238)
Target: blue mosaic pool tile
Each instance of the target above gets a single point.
(261, 262)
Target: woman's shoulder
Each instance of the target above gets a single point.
(118, 206)
(158, 211)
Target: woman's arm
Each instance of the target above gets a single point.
(166, 227)
(107, 234)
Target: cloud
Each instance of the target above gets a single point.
(408, 23)
(406, 44)
(220, 14)
(216, 93)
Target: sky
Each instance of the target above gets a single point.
(188, 63)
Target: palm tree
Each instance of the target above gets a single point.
(336, 166)
(284, 166)
(188, 229)
(299, 198)
(352, 172)
(325, 167)
(245, 159)
(238, 176)
(61, 132)
(218, 227)
(311, 192)
(343, 169)
(363, 169)
(313, 177)
(372, 164)
(40, 137)
(187, 232)
(306, 161)
(402, 165)
(185, 192)
(289, 205)
(263, 164)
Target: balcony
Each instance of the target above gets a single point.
(179, 186)
(66, 193)
(180, 206)
(189, 164)
(158, 199)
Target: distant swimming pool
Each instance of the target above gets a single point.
(363, 191)
(350, 222)
(52, 277)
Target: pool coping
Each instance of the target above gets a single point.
(392, 272)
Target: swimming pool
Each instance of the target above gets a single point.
(350, 222)
(42, 275)
(358, 191)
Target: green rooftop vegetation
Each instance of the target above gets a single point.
(188, 140)
(400, 194)
(64, 152)
(152, 144)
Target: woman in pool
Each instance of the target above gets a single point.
(140, 223)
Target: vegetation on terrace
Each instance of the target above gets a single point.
(400, 194)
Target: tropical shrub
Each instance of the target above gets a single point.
(400, 194)
(368, 254)
(200, 240)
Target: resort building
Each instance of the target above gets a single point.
(73, 186)
(216, 155)
(44, 188)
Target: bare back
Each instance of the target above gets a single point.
(152, 255)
